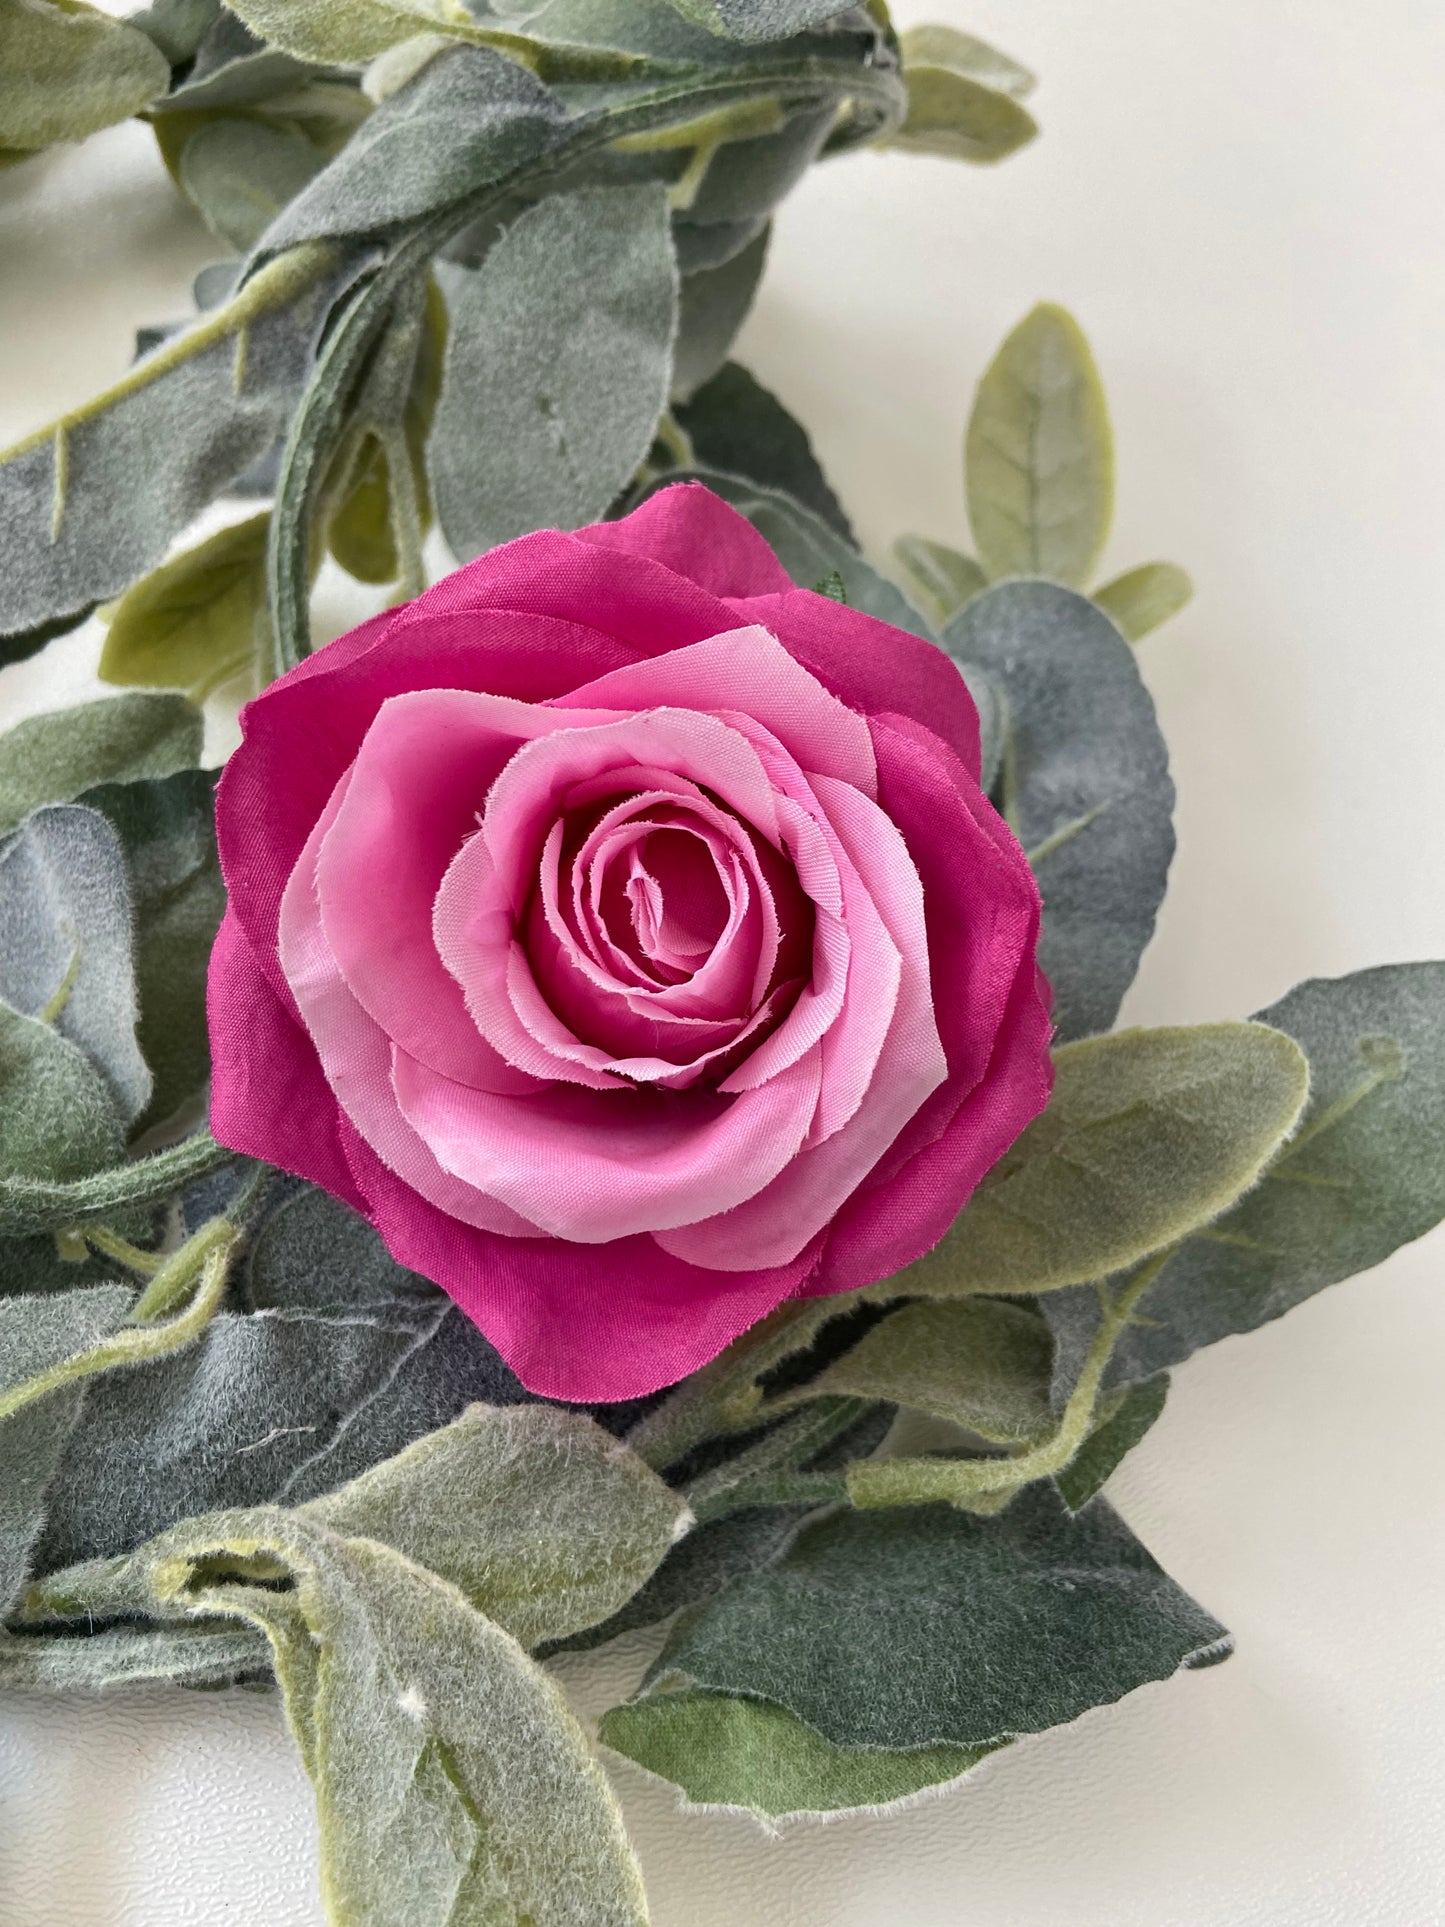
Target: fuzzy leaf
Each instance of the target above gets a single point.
(724, 1750)
(1149, 1135)
(757, 19)
(1362, 1176)
(166, 828)
(344, 31)
(962, 53)
(929, 1628)
(1039, 453)
(211, 1652)
(746, 178)
(52, 758)
(1122, 1422)
(545, 1522)
(69, 70)
(980, 1363)
(66, 942)
(35, 1334)
(196, 621)
(958, 116)
(241, 173)
(57, 1117)
(1141, 599)
(557, 368)
(1085, 785)
(941, 580)
(712, 305)
(737, 426)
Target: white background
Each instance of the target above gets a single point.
(1240, 200)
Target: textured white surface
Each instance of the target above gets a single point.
(1237, 202)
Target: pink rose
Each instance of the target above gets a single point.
(622, 931)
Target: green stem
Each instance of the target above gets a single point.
(753, 1476)
(37, 1204)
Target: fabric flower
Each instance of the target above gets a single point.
(623, 932)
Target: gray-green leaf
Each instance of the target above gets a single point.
(557, 366)
(241, 173)
(1123, 1420)
(1142, 598)
(737, 426)
(1038, 455)
(344, 31)
(1085, 785)
(58, 1120)
(952, 112)
(712, 305)
(1149, 1136)
(941, 580)
(66, 942)
(52, 758)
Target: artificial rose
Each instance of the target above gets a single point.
(623, 932)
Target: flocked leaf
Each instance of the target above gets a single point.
(342, 31)
(240, 173)
(737, 426)
(557, 367)
(927, 1628)
(69, 70)
(52, 758)
(1149, 1135)
(57, 1117)
(955, 113)
(1038, 455)
(198, 620)
(1085, 785)
(939, 46)
(758, 19)
(712, 305)
(1142, 598)
(941, 580)
(66, 942)
(1124, 1419)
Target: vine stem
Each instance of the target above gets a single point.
(37, 1204)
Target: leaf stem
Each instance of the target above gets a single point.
(39, 1204)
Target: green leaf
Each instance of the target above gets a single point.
(941, 580)
(52, 758)
(1039, 455)
(205, 1653)
(66, 954)
(57, 1117)
(343, 31)
(723, 1750)
(953, 114)
(1143, 598)
(35, 1335)
(1085, 785)
(557, 368)
(712, 305)
(1122, 1422)
(166, 829)
(545, 1522)
(1149, 1136)
(757, 19)
(178, 27)
(925, 1629)
(29, 1205)
(744, 179)
(738, 426)
(198, 620)
(1362, 1176)
(980, 1363)
(962, 53)
(70, 70)
(240, 173)
(452, 1783)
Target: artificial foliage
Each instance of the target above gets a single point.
(480, 269)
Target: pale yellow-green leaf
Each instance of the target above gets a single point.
(940, 579)
(963, 53)
(198, 619)
(1038, 455)
(1142, 598)
(347, 30)
(67, 70)
(954, 115)
(1149, 1135)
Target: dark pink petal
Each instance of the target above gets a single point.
(700, 537)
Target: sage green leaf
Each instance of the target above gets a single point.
(724, 1750)
(66, 954)
(52, 758)
(198, 620)
(204, 1653)
(993, 731)
(940, 580)
(1142, 598)
(177, 27)
(738, 426)
(241, 173)
(1123, 1420)
(35, 1335)
(1149, 1136)
(34, 1204)
(757, 19)
(701, 245)
(746, 178)
(311, 1253)
(57, 1117)
(963, 119)
(712, 305)
(809, 548)
(930, 1628)
(557, 368)
(469, 117)
(166, 828)
(1085, 785)
(937, 46)
(980, 1363)
(452, 1783)
(1362, 1176)
(545, 1522)
(343, 31)
(86, 506)
(1039, 454)
(69, 70)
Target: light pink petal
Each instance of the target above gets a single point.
(595, 1165)
(748, 671)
